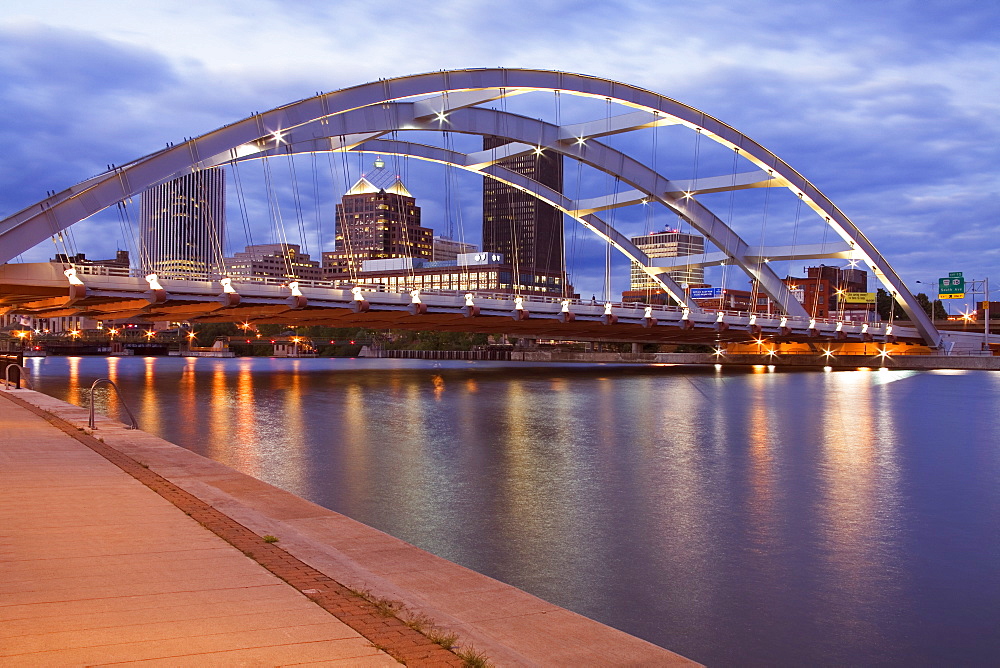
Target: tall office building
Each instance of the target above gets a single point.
(668, 243)
(182, 225)
(375, 223)
(528, 232)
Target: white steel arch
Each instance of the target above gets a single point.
(353, 130)
(437, 95)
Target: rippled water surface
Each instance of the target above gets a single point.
(737, 517)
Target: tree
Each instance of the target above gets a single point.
(883, 302)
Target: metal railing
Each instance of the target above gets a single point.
(90, 422)
(22, 374)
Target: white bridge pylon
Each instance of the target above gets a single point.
(352, 119)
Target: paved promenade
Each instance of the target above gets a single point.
(99, 569)
(129, 549)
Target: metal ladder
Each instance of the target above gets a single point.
(90, 423)
(22, 374)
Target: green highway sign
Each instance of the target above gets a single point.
(952, 287)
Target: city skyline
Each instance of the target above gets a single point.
(887, 109)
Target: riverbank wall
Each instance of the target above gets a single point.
(508, 625)
(984, 362)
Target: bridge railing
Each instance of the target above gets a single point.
(99, 270)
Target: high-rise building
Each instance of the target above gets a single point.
(182, 225)
(668, 243)
(528, 232)
(375, 223)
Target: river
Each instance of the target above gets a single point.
(739, 517)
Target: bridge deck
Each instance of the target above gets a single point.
(41, 290)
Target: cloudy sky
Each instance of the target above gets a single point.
(889, 107)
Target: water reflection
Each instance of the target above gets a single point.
(756, 517)
(858, 492)
(152, 415)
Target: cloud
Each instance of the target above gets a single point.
(888, 107)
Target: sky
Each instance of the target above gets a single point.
(889, 107)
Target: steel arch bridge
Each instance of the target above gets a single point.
(360, 118)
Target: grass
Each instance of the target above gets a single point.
(270, 539)
(473, 658)
(421, 623)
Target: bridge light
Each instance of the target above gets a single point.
(538, 150)
(150, 333)
(278, 136)
(440, 116)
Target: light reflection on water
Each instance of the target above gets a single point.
(739, 517)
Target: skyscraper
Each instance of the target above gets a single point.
(182, 225)
(528, 232)
(375, 223)
(669, 243)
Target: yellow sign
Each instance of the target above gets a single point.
(859, 297)
(958, 295)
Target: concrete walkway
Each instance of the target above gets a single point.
(131, 548)
(99, 569)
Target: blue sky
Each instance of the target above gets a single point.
(889, 107)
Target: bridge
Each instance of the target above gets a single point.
(371, 118)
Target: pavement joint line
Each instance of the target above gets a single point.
(381, 628)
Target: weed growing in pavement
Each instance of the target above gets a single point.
(270, 539)
(423, 624)
(473, 659)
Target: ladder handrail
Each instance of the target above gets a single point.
(118, 392)
(22, 374)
